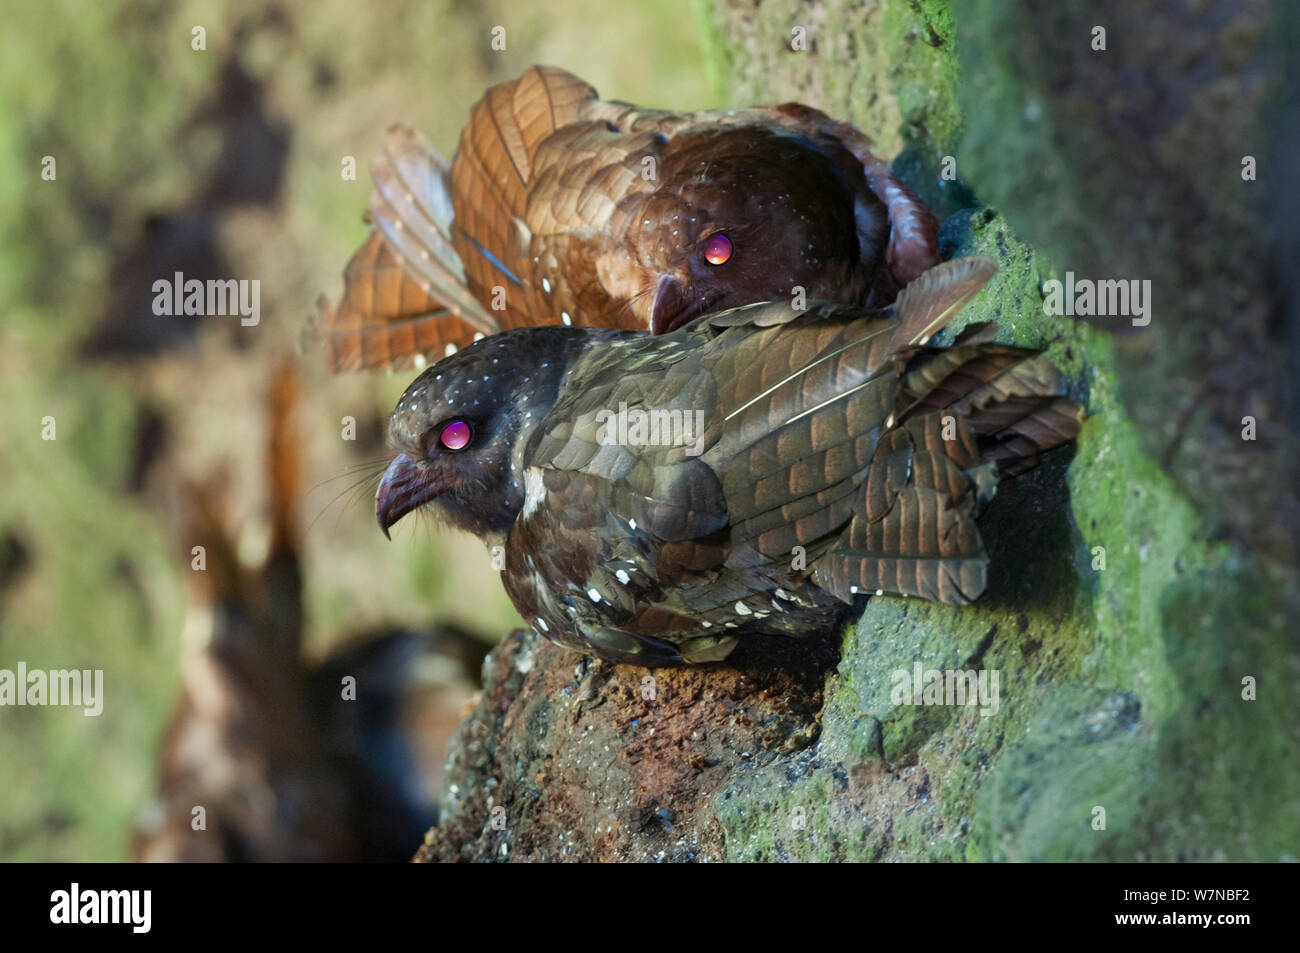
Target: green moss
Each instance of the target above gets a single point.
(769, 819)
(1226, 767)
(923, 77)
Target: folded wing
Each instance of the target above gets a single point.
(833, 435)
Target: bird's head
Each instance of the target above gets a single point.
(458, 432)
(745, 214)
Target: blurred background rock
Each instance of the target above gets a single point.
(222, 163)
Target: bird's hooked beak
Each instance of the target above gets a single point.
(672, 306)
(404, 488)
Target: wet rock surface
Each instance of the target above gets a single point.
(567, 758)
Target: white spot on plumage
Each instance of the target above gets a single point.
(542, 624)
(546, 285)
(534, 491)
(742, 609)
(449, 350)
(593, 594)
(623, 577)
(564, 316)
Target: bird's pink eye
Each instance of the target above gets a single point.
(455, 435)
(718, 250)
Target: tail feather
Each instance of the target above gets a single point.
(405, 293)
(1040, 424)
(410, 196)
(923, 546)
(412, 206)
(494, 167)
(963, 418)
(418, 284)
(385, 318)
(1012, 398)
